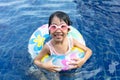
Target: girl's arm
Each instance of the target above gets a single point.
(88, 52)
(43, 52)
(47, 65)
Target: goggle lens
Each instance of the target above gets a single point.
(55, 27)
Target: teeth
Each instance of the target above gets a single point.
(58, 34)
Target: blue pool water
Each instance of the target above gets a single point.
(97, 20)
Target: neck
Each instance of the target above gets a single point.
(59, 42)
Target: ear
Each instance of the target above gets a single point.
(68, 29)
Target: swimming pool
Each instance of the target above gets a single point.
(98, 21)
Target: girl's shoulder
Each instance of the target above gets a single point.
(46, 47)
(74, 41)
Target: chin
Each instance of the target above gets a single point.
(59, 40)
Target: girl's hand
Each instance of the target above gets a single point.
(76, 63)
(49, 66)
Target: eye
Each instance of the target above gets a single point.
(53, 27)
(63, 26)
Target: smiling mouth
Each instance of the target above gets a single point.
(58, 35)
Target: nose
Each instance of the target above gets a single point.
(58, 30)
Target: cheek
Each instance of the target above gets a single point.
(65, 31)
(50, 32)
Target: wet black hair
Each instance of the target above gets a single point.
(62, 16)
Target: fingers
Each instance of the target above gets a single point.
(57, 68)
(73, 63)
(49, 66)
(73, 67)
(54, 71)
(76, 59)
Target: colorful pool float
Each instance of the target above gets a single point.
(41, 36)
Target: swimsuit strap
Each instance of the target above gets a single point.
(53, 51)
(70, 43)
(50, 47)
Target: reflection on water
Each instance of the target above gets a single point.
(98, 21)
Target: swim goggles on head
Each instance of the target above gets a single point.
(54, 27)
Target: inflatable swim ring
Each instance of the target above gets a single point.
(41, 36)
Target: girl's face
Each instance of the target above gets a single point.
(58, 29)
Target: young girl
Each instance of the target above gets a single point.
(60, 44)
